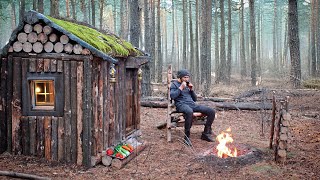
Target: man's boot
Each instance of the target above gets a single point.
(206, 135)
(187, 138)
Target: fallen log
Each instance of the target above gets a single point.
(154, 104)
(245, 106)
(21, 175)
(253, 106)
(250, 93)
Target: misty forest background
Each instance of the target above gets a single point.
(217, 40)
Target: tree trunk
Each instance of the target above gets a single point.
(228, 78)
(84, 10)
(93, 13)
(13, 16)
(67, 8)
(22, 9)
(153, 41)
(206, 21)
(184, 25)
(216, 43)
(192, 59)
(223, 64)
(114, 16)
(253, 43)
(197, 59)
(318, 38)
(146, 82)
(134, 22)
(160, 61)
(54, 10)
(242, 48)
(73, 8)
(40, 6)
(293, 31)
(34, 5)
(313, 41)
(275, 60)
(124, 31)
(101, 13)
(259, 41)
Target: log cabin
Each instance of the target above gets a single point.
(68, 91)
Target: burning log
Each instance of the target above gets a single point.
(224, 151)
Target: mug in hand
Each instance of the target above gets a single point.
(188, 83)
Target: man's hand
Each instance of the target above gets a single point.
(190, 86)
(183, 85)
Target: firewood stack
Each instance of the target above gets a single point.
(38, 39)
(279, 130)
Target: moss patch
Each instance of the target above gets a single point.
(107, 43)
(312, 83)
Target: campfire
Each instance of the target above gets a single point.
(224, 149)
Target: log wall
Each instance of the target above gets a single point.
(97, 113)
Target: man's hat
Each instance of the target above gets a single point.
(183, 72)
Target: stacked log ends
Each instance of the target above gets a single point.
(17, 46)
(39, 38)
(48, 47)
(47, 30)
(77, 49)
(283, 139)
(27, 28)
(58, 47)
(22, 37)
(43, 38)
(32, 37)
(37, 47)
(38, 28)
(27, 47)
(53, 37)
(64, 39)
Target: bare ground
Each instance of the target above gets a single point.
(163, 160)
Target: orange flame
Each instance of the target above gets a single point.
(223, 150)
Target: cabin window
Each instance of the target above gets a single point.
(43, 94)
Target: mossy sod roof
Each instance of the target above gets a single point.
(107, 43)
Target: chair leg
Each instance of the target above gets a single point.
(169, 128)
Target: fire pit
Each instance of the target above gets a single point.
(228, 154)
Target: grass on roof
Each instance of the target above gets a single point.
(107, 43)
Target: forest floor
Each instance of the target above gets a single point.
(163, 160)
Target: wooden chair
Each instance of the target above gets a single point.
(174, 118)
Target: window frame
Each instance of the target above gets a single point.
(28, 108)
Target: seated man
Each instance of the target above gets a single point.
(184, 97)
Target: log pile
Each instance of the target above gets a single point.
(279, 130)
(38, 38)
